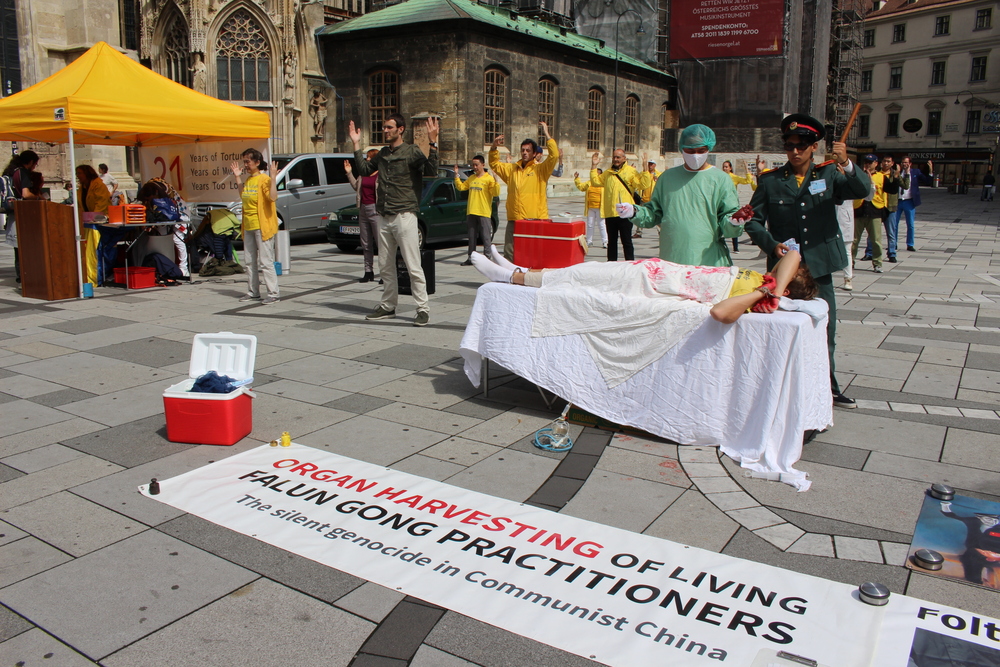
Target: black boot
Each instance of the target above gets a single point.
(367, 278)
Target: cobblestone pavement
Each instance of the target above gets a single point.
(81, 425)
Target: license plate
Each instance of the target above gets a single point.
(350, 229)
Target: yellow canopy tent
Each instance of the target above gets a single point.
(106, 98)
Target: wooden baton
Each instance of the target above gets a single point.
(850, 123)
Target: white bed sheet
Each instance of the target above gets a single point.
(753, 387)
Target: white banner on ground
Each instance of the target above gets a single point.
(600, 592)
(199, 171)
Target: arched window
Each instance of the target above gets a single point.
(664, 128)
(383, 101)
(595, 116)
(176, 50)
(243, 59)
(631, 122)
(547, 91)
(494, 104)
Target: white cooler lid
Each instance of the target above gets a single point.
(225, 353)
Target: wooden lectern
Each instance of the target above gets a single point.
(45, 242)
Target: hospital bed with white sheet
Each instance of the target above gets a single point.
(752, 388)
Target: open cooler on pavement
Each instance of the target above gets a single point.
(544, 244)
(213, 419)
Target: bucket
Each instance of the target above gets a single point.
(88, 290)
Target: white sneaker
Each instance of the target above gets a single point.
(848, 285)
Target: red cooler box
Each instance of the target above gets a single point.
(544, 244)
(213, 419)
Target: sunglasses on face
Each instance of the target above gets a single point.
(794, 146)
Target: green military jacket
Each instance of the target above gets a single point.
(807, 214)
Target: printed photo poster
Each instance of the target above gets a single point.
(603, 593)
(200, 172)
(966, 532)
(923, 634)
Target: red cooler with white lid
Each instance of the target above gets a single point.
(213, 419)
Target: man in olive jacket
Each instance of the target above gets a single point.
(797, 201)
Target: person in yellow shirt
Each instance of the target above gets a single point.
(260, 224)
(749, 179)
(619, 182)
(647, 181)
(93, 196)
(482, 189)
(592, 208)
(526, 182)
(868, 214)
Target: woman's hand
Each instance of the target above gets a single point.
(236, 168)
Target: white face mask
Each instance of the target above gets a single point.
(695, 161)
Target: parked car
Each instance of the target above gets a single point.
(309, 187)
(441, 219)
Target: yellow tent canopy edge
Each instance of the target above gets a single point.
(109, 99)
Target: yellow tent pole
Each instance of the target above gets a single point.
(76, 210)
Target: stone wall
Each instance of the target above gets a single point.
(442, 71)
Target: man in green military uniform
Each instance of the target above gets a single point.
(797, 201)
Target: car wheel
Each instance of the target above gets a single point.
(347, 246)
(421, 236)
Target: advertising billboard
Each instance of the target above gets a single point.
(701, 29)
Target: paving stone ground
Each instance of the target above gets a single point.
(93, 573)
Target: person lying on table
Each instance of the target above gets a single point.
(731, 291)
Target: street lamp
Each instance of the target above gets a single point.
(614, 131)
(963, 188)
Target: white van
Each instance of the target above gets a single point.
(310, 185)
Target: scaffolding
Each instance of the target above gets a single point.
(846, 60)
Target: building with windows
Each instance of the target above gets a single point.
(487, 71)
(255, 53)
(930, 84)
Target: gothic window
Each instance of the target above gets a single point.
(243, 59)
(10, 60)
(383, 101)
(494, 104)
(176, 51)
(595, 115)
(130, 13)
(547, 90)
(631, 122)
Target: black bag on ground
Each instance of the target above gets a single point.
(165, 269)
(403, 276)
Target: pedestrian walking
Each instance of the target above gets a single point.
(526, 182)
(798, 201)
(482, 188)
(989, 185)
(260, 225)
(401, 168)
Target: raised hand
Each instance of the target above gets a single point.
(595, 159)
(545, 129)
(355, 134)
(273, 168)
(433, 128)
(576, 174)
(840, 152)
(347, 166)
(236, 168)
(498, 140)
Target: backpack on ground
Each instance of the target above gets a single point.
(165, 268)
